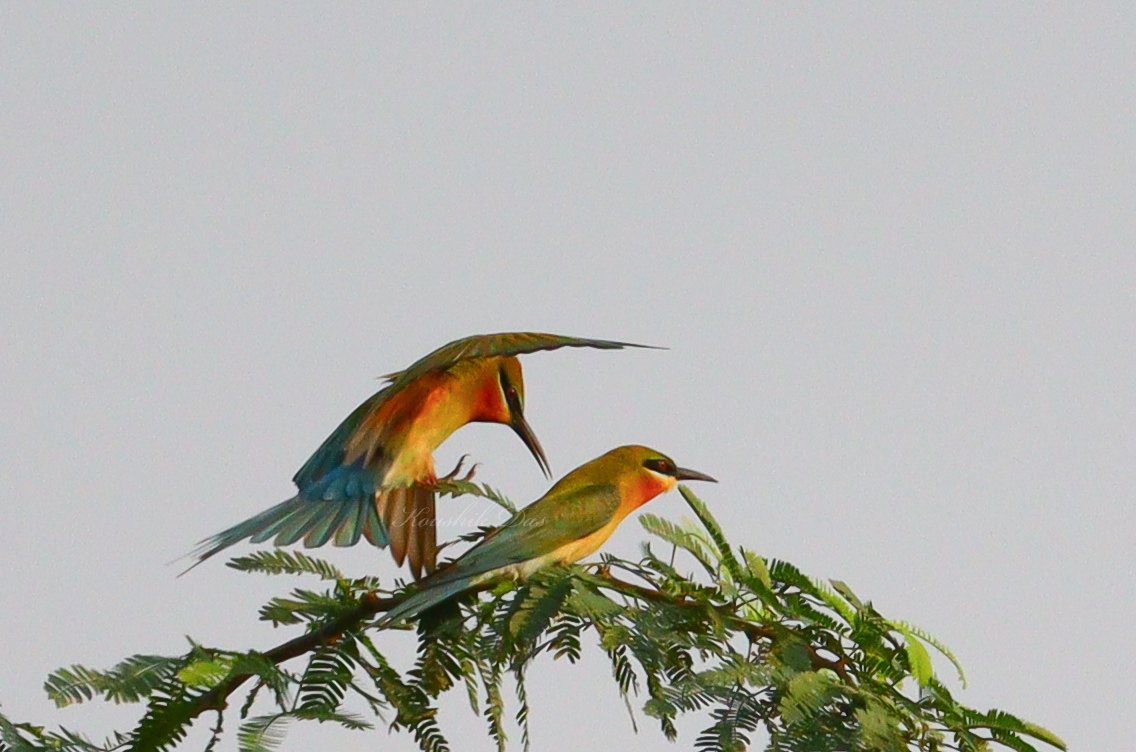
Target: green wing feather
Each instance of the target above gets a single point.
(492, 345)
(540, 528)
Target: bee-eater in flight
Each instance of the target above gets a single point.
(374, 475)
(568, 523)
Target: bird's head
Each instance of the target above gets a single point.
(501, 399)
(648, 473)
(638, 472)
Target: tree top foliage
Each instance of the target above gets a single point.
(754, 646)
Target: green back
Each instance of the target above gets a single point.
(555, 519)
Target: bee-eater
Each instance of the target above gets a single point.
(374, 475)
(568, 523)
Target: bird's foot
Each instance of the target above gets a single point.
(454, 474)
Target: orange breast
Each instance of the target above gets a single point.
(643, 487)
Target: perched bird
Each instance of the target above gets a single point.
(374, 475)
(568, 523)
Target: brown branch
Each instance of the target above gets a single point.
(217, 698)
(372, 605)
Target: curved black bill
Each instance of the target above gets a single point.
(683, 473)
(522, 429)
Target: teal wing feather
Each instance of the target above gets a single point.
(332, 453)
(316, 522)
(335, 502)
(493, 345)
(538, 529)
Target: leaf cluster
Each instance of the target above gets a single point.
(695, 626)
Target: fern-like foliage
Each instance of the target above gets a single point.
(281, 561)
(130, 681)
(756, 647)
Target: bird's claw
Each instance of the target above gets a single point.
(453, 474)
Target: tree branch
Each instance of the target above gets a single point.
(217, 698)
(372, 605)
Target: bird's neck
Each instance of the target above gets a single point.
(641, 488)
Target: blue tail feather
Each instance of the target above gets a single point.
(295, 527)
(345, 520)
(425, 599)
(351, 530)
(374, 528)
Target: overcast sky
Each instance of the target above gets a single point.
(891, 252)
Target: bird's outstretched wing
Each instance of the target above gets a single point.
(313, 478)
(491, 345)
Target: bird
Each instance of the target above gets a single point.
(571, 521)
(374, 477)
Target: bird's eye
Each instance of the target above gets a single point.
(512, 395)
(661, 465)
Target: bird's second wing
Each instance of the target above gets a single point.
(492, 345)
(539, 529)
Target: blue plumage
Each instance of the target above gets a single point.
(425, 599)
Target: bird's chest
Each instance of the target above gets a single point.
(416, 433)
(570, 553)
(585, 546)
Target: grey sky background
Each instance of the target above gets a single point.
(891, 251)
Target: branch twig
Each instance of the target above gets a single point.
(372, 605)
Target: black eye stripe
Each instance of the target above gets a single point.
(512, 396)
(660, 465)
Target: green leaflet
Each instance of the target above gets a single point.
(879, 728)
(806, 693)
(457, 487)
(908, 628)
(206, 672)
(725, 554)
(281, 561)
(264, 733)
(131, 680)
(1042, 734)
(757, 568)
(681, 537)
(918, 658)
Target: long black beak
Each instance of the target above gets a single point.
(683, 473)
(524, 430)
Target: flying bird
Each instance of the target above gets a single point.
(374, 476)
(571, 521)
